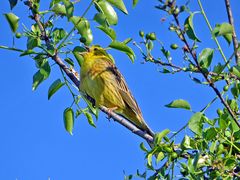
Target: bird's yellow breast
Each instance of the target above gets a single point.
(99, 83)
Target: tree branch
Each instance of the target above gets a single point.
(72, 74)
(182, 69)
(211, 84)
(234, 36)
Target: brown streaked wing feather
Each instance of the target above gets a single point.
(123, 89)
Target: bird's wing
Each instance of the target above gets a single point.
(122, 87)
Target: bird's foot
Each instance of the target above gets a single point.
(110, 110)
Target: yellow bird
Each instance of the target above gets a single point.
(102, 81)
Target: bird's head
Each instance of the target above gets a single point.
(97, 50)
(94, 50)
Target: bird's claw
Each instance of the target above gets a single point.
(109, 112)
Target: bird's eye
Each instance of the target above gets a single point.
(95, 49)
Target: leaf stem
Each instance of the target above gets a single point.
(230, 142)
(214, 38)
(69, 88)
(66, 82)
(182, 128)
(12, 49)
(209, 104)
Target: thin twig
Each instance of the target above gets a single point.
(234, 35)
(182, 128)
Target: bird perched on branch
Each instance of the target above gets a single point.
(101, 80)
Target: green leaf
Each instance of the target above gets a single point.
(104, 7)
(236, 135)
(205, 57)
(149, 46)
(158, 136)
(149, 159)
(213, 146)
(165, 71)
(218, 68)
(196, 80)
(141, 175)
(41, 75)
(225, 30)
(92, 109)
(38, 78)
(53, 2)
(55, 86)
(69, 8)
(119, 4)
(13, 3)
(33, 42)
(195, 123)
(222, 29)
(88, 36)
(234, 126)
(12, 20)
(160, 156)
(69, 61)
(89, 118)
(179, 103)
(81, 24)
(195, 161)
(230, 163)
(35, 29)
(68, 117)
(59, 9)
(101, 19)
(40, 59)
(83, 27)
(228, 38)
(58, 34)
(27, 52)
(77, 54)
(128, 40)
(108, 31)
(186, 143)
(129, 177)
(124, 48)
(210, 133)
(135, 2)
(223, 121)
(165, 52)
(188, 25)
(235, 90)
(143, 147)
(45, 69)
(236, 71)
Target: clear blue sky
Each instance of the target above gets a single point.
(34, 144)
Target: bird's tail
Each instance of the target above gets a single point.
(148, 130)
